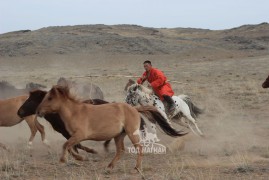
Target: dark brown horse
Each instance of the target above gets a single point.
(265, 84)
(103, 122)
(29, 108)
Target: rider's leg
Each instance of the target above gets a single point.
(170, 102)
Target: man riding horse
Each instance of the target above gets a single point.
(159, 84)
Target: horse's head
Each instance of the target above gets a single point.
(129, 83)
(30, 105)
(137, 93)
(133, 94)
(53, 100)
(265, 84)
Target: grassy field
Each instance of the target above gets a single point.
(235, 121)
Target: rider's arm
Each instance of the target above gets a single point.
(142, 79)
(160, 79)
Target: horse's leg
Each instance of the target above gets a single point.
(75, 154)
(75, 148)
(30, 121)
(193, 121)
(84, 148)
(41, 130)
(122, 146)
(187, 113)
(135, 139)
(73, 140)
(119, 143)
(106, 144)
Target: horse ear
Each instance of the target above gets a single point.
(53, 91)
(62, 90)
(135, 88)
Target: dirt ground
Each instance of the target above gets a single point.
(235, 122)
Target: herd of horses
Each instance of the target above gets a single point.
(83, 117)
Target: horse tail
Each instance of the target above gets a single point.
(195, 111)
(153, 115)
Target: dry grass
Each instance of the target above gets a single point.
(235, 120)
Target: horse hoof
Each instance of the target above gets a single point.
(110, 166)
(29, 145)
(62, 161)
(134, 171)
(86, 159)
(46, 142)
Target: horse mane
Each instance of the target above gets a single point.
(145, 89)
(65, 92)
(141, 88)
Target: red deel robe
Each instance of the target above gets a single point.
(157, 80)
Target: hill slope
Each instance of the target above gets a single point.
(132, 39)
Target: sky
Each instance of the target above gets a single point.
(207, 14)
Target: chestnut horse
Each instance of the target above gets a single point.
(265, 84)
(9, 117)
(100, 123)
(29, 108)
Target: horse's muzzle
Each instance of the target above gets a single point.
(20, 113)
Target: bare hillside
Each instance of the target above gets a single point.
(247, 40)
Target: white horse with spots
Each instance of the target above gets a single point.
(138, 94)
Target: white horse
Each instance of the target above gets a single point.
(138, 94)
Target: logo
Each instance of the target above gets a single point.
(148, 140)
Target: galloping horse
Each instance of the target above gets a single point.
(140, 95)
(265, 84)
(100, 123)
(9, 117)
(29, 107)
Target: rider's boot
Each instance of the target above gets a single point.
(170, 102)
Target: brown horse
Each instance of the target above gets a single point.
(29, 107)
(265, 84)
(9, 117)
(100, 123)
